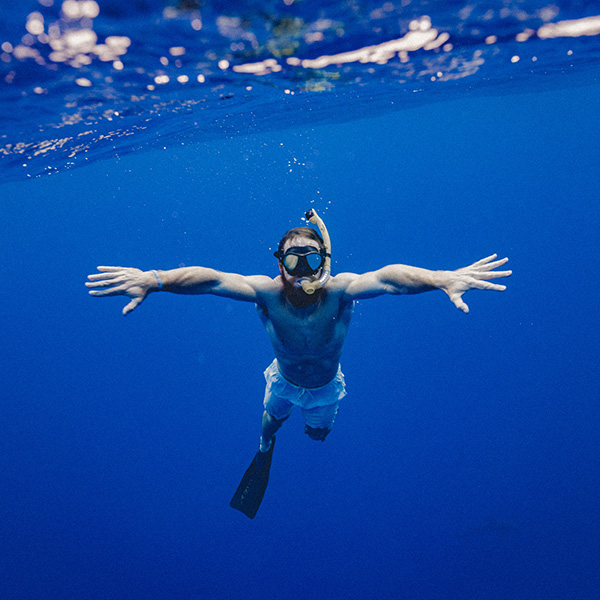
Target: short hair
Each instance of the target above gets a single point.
(301, 231)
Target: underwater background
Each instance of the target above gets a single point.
(464, 461)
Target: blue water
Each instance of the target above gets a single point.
(463, 463)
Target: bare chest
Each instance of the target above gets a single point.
(306, 331)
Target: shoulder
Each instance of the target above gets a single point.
(338, 285)
(340, 282)
(261, 281)
(265, 287)
(356, 286)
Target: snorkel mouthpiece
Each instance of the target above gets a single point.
(309, 285)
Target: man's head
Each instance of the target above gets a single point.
(301, 254)
(300, 232)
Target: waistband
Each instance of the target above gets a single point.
(303, 386)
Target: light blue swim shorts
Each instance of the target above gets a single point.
(319, 406)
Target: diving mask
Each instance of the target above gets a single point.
(300, 261)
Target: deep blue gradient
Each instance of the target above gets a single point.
(464, 461)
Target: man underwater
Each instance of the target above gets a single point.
(306, 313)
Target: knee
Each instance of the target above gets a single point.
(317, 433)
(271, 419)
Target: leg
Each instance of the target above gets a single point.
(319, 421)
(277, 405)
(270, 425)
(317, 433)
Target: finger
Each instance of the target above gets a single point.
(484, 261)
(458, 302)
(131, 306)
(109, 268)
(112, 281)
(493, 265)
(492, 274)
(486, 285)
(105, 284)
(114, 291)
(104, 276)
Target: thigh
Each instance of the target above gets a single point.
(279, 408)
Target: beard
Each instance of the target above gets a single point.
(297, 296)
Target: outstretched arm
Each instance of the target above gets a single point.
(137, 284)
(402, 279)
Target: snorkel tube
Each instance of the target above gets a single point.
(310, 286)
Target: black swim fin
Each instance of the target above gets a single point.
(253, 486)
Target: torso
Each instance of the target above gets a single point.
(307, 341)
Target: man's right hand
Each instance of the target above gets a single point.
(122, 281)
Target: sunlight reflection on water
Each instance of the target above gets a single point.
(80, 68)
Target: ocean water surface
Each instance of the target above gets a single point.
(463, 463)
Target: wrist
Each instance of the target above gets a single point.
(155, 282)
(443, 279)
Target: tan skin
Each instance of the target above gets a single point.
(307, 332)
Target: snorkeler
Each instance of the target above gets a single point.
(306, 312)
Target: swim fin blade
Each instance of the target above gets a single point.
(253, 486)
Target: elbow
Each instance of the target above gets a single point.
(396, 290)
